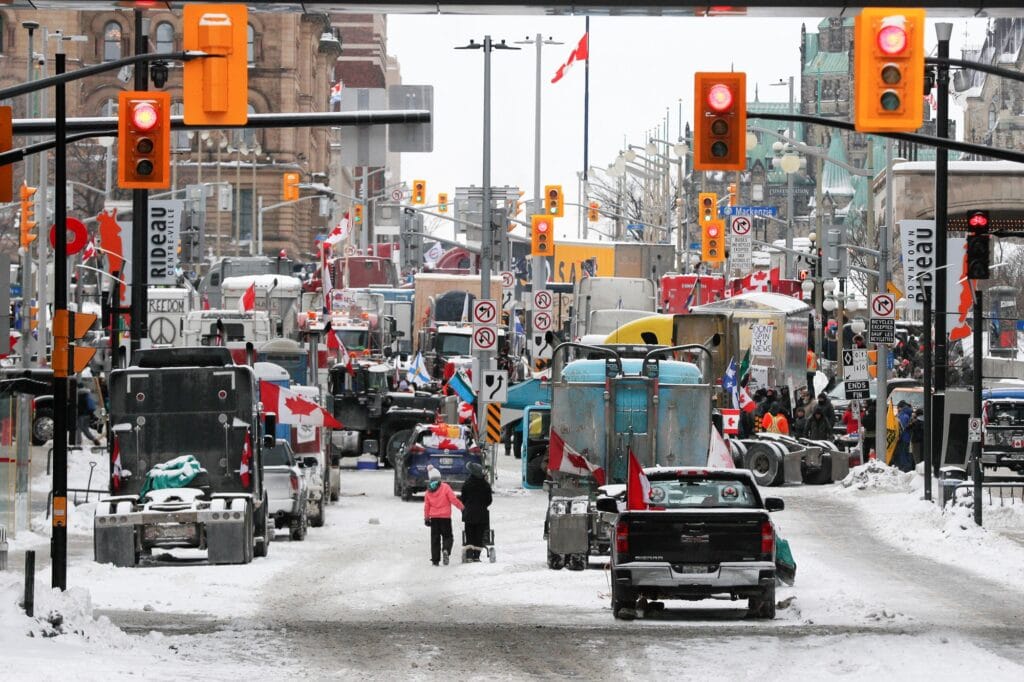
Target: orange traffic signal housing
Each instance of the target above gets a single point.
(67, 327)
(442, 202)
(708, 206)
(7, 170)
(144, 140)
(720, 121)
(542, 229)
(290, 186)
(594, 212)
(713, 241)
(554, 203)
(419, 192)
(216, 88)
(888, 70)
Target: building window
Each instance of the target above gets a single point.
(251, 36)
(244, 208)
(246, 136)
(164, 38)
(179, 138)
(1, 34)
(112, 41)
(992, 116)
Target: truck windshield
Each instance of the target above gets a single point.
(354, 339)
(453, 344)
(684, 493)
(1005, 413)
(276, 456)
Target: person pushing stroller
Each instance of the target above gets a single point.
(437, 515)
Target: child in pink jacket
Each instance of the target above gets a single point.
(437, 514)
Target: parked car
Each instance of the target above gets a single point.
(1003, 416)
(449, 448)
(707, 533)
(287, 490)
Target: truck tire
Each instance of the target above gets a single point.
(42, 426)
(763, 606)
(555, 561)
(299, 527)
(317, 520)
(264, 532)
(764, 464)
(623, 602)
(398, 485)
(247, 536)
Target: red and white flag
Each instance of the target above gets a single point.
(325, 280)
(638, 487)
(580, 54)
(292, 408)
(337, 345)
(90, 251)
(247, 302)
(467, 413)
(719, 455)
(245, 468)
(562, 458)
(747, 403)
(116, 472)
(730, 421)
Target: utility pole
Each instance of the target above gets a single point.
(979, 470)
(882, 392)
(789, 201)
(61, 383)
(943, 32)
(140, 212)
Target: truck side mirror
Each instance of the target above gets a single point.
(268, 440)
(607, 504)
(270, 424)
(774, 504)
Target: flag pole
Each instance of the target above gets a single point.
(586, 125)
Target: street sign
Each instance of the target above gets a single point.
(542, 321)
(349, 250)
(508, 279)
(749, 210)
(485, 312)
(882, 324)
(485, 339)
(730, 421)
(78, 235)
(857, 390)
(740, 226)
(883, 306)
(974, 430)
(397, 194)
(741, 245)
(542, 300)
(540, 349)
(855, 365)
(495, 386)
(508, 299)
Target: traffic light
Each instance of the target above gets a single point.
(873, 364)
(419, 192)
(708, 206)
(216, 88)
(977, 256)
(67, 327)
(593, 214)
(732, 194)
(357, 215)
(720, 118)
(28, 216)
(977, 221)
(144, 140)
(553, 201)
(442, 202)
(6, 141)
(712, 241)
(541, 230)
(290, 186)
(888, 70)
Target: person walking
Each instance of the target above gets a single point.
(867, 423)
(476, 497)
(774, 421)
(437, 515)
(818, 426)
(903, 457)
(851, 418)
(86, 408)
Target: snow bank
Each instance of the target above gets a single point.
(876, 475)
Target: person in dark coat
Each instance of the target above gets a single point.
(867, 424)
(818, 426)
(476, 498)
(799, 427)
(829, 410)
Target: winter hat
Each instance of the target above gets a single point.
(475, 470)
(432, 473)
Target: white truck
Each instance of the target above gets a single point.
(279, 295)
(168, 308)
(226, 327)
(600, 302)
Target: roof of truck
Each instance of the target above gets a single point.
(669, 371)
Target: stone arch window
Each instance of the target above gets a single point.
(251, 43)
(112, 40)
(164, 38)
(992, 116)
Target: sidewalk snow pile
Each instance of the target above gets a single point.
(893, 505)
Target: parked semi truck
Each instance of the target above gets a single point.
(177, 402)
(210, 284)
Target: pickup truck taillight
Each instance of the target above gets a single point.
(622, 537)
(767, 537)
(295, 483)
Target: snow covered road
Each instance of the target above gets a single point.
(873, 599)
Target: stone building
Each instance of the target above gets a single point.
(993, 106)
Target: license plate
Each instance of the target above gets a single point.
(444, 461)
(693, 568)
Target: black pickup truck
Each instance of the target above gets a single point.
(707, 532)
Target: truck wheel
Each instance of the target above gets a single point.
(247, 536)
(576, 562)
(763, 464)
(763, 606)
(398, 485)
(555, 561)
(317, 521)
(623, 602)
(263, 531)
(42, 426)
(298, 527)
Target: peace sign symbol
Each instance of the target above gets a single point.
(161, 331)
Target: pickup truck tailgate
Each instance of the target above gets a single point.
(694, 537)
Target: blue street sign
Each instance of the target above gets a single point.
(15, 291)
(694, 246)
(750, 210)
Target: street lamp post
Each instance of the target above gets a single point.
(789, 190)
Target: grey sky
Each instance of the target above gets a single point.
(639, 68)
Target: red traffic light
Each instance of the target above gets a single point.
(542, 226)
(145, 116)
(892, 38)
(712, 230)
(977, 220)
(720, 97)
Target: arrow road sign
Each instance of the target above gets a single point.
(495, 386)
(485, 339)
(508, 279)
(485, 312)
(539, 348)
(883, 306)
(741, 226)
(542, 322)
(542, 300)
(855, 365)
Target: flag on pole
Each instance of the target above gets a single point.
(336, 91)
(638, 487)
(719, 455)
(247, 302)
(564, 459)
(116, 472)
(245, 468)
(336, 344)
(292, 408)
(892, 433)
(580, 54)
(90, 251)
(418, 373)
(746, 403)
(730, 382)
(744, 373)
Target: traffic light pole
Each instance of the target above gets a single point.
(140, 215)
(59, 537)
(979, 470)
(882, 392)
(944, 31)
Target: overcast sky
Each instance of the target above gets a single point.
(639, 70)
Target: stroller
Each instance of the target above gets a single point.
(488, 547)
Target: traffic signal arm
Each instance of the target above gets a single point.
(67, 357)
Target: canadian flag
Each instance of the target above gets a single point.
(245, 468)
(638, 487)
(116, 472)
(562, 458)
(467, 415)
(292, 408)
(90, 251)
(336, 344)
(747, 403)
(730, 421)
(326, 285)
(580, 54)
(247, 302)
(719, 455)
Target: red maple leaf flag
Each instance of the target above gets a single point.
(564, 459)
(116, 472)
(300, 406)
(247, 302)
(719, 454)
(638, 487)
(292, 408)
(580, 54)
(245, 468)
(747, 403)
